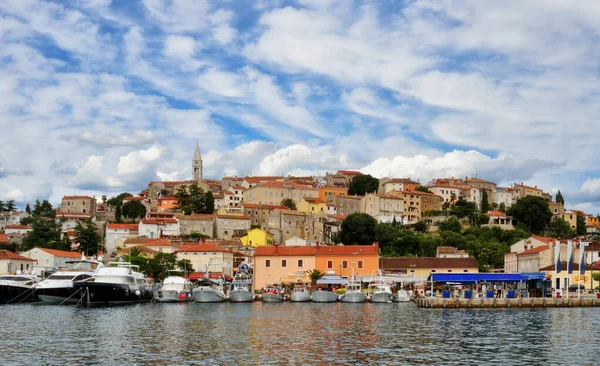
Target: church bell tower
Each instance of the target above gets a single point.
(197, 164)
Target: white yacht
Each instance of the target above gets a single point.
(354, 291)
(402, 296)
(175, 289)
(209, 290)
(58, 287)
(118, 283)
(241, 286)
(379, 291)
(15, 289)
(300, 292)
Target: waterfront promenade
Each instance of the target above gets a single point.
(522, 302)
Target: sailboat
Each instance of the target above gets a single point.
(379, 291)
(241, 286)
(354, 291)
(210, 290)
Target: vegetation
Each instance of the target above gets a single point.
(157, 267)
(532, 213)
(194, 200)
(358, 228)
(315, 275)
(28, 209)
(581, 226)
(362, 184)
(8, 206)
(485, 203)
(289, 203)
(559, 228)
(559, 198)
(117, 203)
(186, 266)
(422, 189)
(87, 237)
(133, 210)
(45, 234)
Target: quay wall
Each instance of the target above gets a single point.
(535, 302)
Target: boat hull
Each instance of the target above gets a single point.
(402, 298)
(57, 295)
(241, 296)
(271, 298)
(354, 297)
(381, 297)
(203, 295)
(300, 297)
(324, 296)
(17, 294)
(173, 296)
(103, 294)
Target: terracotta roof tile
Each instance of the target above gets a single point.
(61, 253)
(350, 172)
(200, 247)
(5, 254)
(158, 221)
(535, 250)
(16, 227)
(348, 250)
(426, 262)
(234, 217)
(77, 197)
(122, 226)
(280, 250)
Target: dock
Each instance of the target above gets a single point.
(524, 302)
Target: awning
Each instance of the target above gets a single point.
(332, 281)
(501, 277)
(534, 276)
(455, 277)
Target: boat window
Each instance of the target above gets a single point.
(60, 277)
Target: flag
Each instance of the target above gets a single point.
(557, 256)
(569, 257)
(582, 258)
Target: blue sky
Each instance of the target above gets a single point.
(100, 97)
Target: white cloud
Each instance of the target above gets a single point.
(222, 30)
(180, 46)
(14, 194)
(178, 15)
(293, 157)
(223, 83)
(139, 164)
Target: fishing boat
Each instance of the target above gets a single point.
(210, 290)
(379, 291)
(15, 289)
(175, 289)
(58, 287)
(118, 283)
(354, 293)
(324, 296)
(241, 286)
(402, 296)
(300, 292)
(272, 294)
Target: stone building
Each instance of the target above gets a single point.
(203, 224)
(79, 204)
(259, 214)
(347, 205)
(286, 224)
(228, 225)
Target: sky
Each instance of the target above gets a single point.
(99, 97)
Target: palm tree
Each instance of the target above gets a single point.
(315, 275)
(289, 203)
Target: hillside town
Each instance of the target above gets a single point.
(284, 226)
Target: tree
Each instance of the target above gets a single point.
(186, 266)
(118, 200)
(532, 212)
(104, 199)
(133, 210)
(45, 233)
(43, 208)
(118, 214)
(315, 275)
(581, 225)
(502, 207)
(210, 203)
(559, 198)
(462, 208)
(362, 184)
(421, 226)
(10, 206)
(358, 228)
(159, 266)
(183, 197)
(87, 237)
(28, 209)
(560, 228)
(451, 224)
(255, 226)
(422, 189)
(385, 235)
(289, 203)
(485, 204)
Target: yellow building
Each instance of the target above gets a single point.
(312, 205)
(570, 217)
(327, 193)
(272, 193)
(258, 238)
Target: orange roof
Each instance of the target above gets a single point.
(228, 192)
(495, 213)
(348, 250)
(122, 226)
(15, 227)
(313, 199)
(132, 198)
(419, 193)
(77, 197)
(350, 172)
(4, 239)
(339, 217)
(528, 187)
(196, 217)
(535, 250)
(201, 247)
(285, 185)
(61, 253)
(401, 180)
(158, 221)
(235, 217)
(233, 178)
(284, 251)
(270, 207)
(146, 240)
(263, 178)
(5, 254)
(167, 198)
(238, 187)
(543, 238)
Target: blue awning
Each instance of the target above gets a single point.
(501, 277)
(534, 276)
(455, 277)
(483, 277)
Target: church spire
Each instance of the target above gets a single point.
(197, 164)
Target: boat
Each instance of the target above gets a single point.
(15, 289)
(175, 289)
(58, 287)
(209, 290)
(241, 286)
(300, 292)
(324, 296)
(379, 291)
(354, 293)
(118, 283)
(272, 294)
(402, 296)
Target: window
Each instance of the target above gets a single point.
(449, 270)
(300, 263)
(267, 263)
(433, 270)
(329, 264)
(360, 264)
(465, 270)
(344, 264)
(284, 263)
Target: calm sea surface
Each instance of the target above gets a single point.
(296, 333)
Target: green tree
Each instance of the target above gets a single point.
(183, 197)
(118, 200)
(532, 212)
(289, 203)
(210, 203)
(28, 209)
(10, 206)
(463, 208)
(314, 275)
(133, 210)
(87, 237)
(43, 208)
(136, 257)
(560, 228)
(255, 226)
(158, 267)
(118, 214)
(581, 225)
(386, 234)
(362, 184)
(186, 266)
(358, 228)
(421, 226)
(422, 189)
(45, 233)
(485, 203)
(451, 224)
(502, 207)
(559, 198)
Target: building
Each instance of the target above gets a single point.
(156, 244)
(384, 207)
(347, 205)
(502, 196)
(259, 214)
(282, 264)
(17, 229)
(349, 175)
(285, 224)
(556, 208)
(197, 223)
(197, 165)
(521, 190)
(11, 263)
(11, 218)
(430, 202)
(450, 252)
(273, 192)
(327, 193)
(511, 264)
(312, 205)
(499, 219)
(158, 227)
(296, 242)
(422, 267)
(336, 180)
(569, 216)
(166, 204)
(48, 260)
(219, 200)
(234, 196)
(207, 257)
(249, 182)
(115, 232)
(79, 204)
(563, 279)
(228, 225)
(592, 253)
(342, 260)
(386, 185)
(449, 194)
(257, 238)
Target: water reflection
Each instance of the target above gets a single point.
(296, 333)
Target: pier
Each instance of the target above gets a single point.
(535, 302)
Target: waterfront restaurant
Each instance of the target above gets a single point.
(476, 285)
